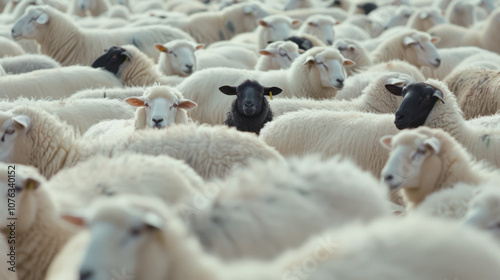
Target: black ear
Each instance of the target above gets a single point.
(273, 90)
(394, 89)
(228, 90)
(439, 95)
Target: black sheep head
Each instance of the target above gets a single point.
(250, 96)
(112, 59)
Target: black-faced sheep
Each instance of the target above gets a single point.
(250, 110)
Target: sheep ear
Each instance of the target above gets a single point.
(309, 59)
(301, 50)
(228, 90)
(187, 104)
(154, 221)
(434, 144)
(385, 141)
(407, 40)
(199, 46)
(263, 23)
(42, 19)
(247, 9)
(135, 101)
(22, 121)
(352, 48)
(267, 52)
(161, 48)
(127, 54)
(439, 95)
(31, 184)
(396, 82)
(296, 22)
(348, 62)
(313, 23)
(423, 15)
(272, 90)
(394, 89)
(435, 39)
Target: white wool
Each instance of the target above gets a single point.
(425, 18)
(274, 28)
(108, 93)
(9, 48)
(483, 211)
(320, 26)
(27, 63)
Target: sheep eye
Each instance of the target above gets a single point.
(427, 98)
(175, 105)
(324, 65)
(146, 105)
(10, 131)
(135, 232)
(421, 151)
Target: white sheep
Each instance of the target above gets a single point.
(455, 36)
(353, 50)
(79, 113)
(476, 91)
(159, 107)
(425, 160)
(133, 67)
(303, 14)
(425, 18)
(42, 232)
(108, 93)
(305, 183)
(56, 82)
(274, 28)
(372, 26)
(375, 99)
(9, 48)
(320, 26)
(204, 148)
(93, 7)
(27, 63)
(416, 47)
(484, 210)
(447, 203)
(318, 73)
(183, 57)
(453, 57)
(463, 13)
(437, 107)
(46, 25)
(278, 55)
(347, 30)
(298, 4)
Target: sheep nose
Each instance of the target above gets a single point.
(438, 61)
(388, 178)
(248, 105)
(157, 121)
(86, 274)
(189, 66)
(329, 42)
(340, 81)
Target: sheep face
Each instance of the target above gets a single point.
(29, 23)
(484, 210)
(250, 12)
(124, 241)
(277, 28)
(346, 49)
(13, 129)
(283, 53)
(249, 96)
(320, 27)
(180, 55)
(112, 59)
(413, 160)
(330, 65)
(161, 106)
(418, 101)
(420, 50)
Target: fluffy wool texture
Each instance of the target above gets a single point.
(439, 170)
(246, 202)
(93, 8)
(476, 91)
(51, 145)
(350, 31)
(354, 85)
(353, 50)
(108, 93)
(39, 232)
(27, 63)
(321, 27)
(482, 142)
(56, 83)
(425, 18)
(9, 48)
(375, 99)
(63, 40)
(303, 14)
(456, 36)
(484, 209)
(303, 79)
(451, 58)
(278, 55)
(168, 179)
(447, 203)
(79, 113)
(463, 13)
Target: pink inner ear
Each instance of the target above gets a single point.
(134, 101)
(77, 221)
(264, 52)
(187, 104)
(386, 142)
(263, 23)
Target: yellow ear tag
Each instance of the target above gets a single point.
(126, 58)
(270, 95)
(31, 185)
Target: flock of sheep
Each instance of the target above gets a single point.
(257, 139)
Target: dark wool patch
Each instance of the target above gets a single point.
(250, 124)
(230, 26)
(221, 35)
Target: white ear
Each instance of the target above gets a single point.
(435, 39)
(42, 19)
(22, 120)
(385, 141)
(407, 40)
(313, 23)
(396, 82)
(434, 144)
(423, 15)
(127, 54)
(309, 59)
(248, 9)
(154, 220)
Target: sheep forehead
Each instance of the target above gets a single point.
(330, 54)
(409, 139)
(275, 19)
(120, 215)
(176, 44)
(162, 92)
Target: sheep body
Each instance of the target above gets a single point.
(27, 63)
(9, 48)
(108, 93)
